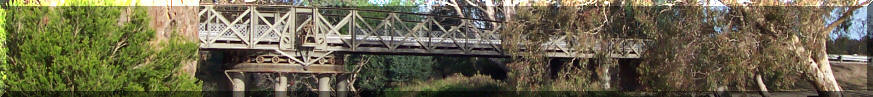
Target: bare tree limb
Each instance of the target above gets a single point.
(354, 76)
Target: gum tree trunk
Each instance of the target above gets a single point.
(818, 69)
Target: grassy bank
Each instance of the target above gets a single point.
(450, 86)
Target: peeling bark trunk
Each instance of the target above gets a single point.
(761, 86)
(606, 78)
(820, 73)
(818, 69)
(828, 86)
(508, 10)
(822, 78)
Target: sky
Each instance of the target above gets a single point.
(860, 17)
(856, 31)
(859, 24)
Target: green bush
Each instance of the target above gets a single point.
(89, 48)
(2, 52)
(381, 71)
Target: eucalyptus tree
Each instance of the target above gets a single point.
(721, 46)
(745, 40)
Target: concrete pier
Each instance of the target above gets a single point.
(239, 85)
(342, 88)
(281, 86)
(324, 86)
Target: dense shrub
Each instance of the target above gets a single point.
(89, 48)
(3, 63)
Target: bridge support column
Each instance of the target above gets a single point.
(281, 86)
(342, 88)
(239, 86)
(324, 86)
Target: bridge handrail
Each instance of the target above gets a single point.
(356, 9)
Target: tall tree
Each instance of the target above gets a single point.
(714, 44)
(765, 30)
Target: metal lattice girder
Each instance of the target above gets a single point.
(294, 29)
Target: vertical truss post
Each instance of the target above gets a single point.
(293, 23)
(466, 39)
(316, 29)
(351, 29)
(389, 29)
(252, 23)
(428, 32)
(283, 37)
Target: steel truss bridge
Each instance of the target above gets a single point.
(309, 39)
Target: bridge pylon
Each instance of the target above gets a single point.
(306, 65)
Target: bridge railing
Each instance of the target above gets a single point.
(293, 28)
(251, 26)
(244, 27)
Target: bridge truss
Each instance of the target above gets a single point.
(307, 35)
(309, 39)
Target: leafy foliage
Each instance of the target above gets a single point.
(693, 47)
(844, 45)
(723, 47)
(88, 48)
(3, 49)
(535, 25)
(381, 71)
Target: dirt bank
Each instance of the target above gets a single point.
(850, 75)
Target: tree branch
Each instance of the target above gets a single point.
(843, 18)
(455, 6)
(355, 74)
(475, 5)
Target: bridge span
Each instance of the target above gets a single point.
(310, 40)
(292, 29)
